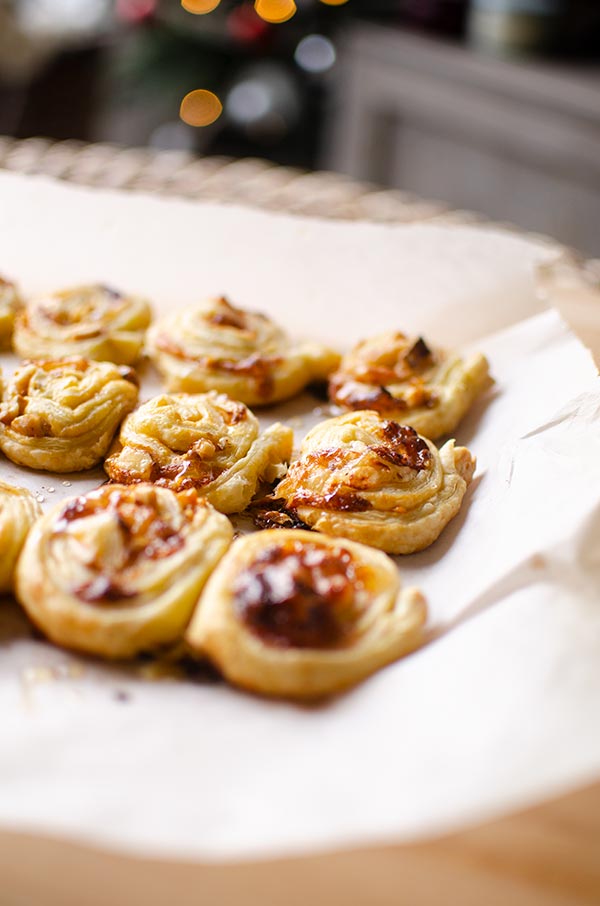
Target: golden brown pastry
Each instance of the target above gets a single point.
(203, 441)
(243, 354)
(373, 480)
(119, 570)
(10, 303)
(18, 511)
(95, 321)
(295, 614)
(61, 416)
(404, 379)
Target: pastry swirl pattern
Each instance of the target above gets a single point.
(216, 346)
(61, 415)
(10, 303)
(404, 379)
(203, 441)
(119, 570)
(94, 321)
(365, 477)
(294, 614)
(18, 511)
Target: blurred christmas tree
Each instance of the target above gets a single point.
(267, 62)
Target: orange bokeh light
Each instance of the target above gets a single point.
(200, 7)
(275, 10)
(200, 108)
(334, 2)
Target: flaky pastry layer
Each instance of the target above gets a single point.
(202, 441)
(216, 346)
(93, 321)
(18, 511)
(118, 571)
(10, 303)
(61, 415)
(294, 614)
(404, 379)
(368, 478)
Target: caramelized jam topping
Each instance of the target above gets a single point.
(400, 447)
(234, 413)
(418, 354)
(129, 374)
(272, 512)
(103, 589)
(227, 315)
(145, 535)
(343, 501)
(400, 363)
(299, 595)
(30, 425)
(256, 367)
(403, 447)
(194, 468)
(189, 471)
(352, 395)
(145, 532)
(364, 386)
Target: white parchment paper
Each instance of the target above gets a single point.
(499, 709)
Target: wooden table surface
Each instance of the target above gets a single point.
(545, 856)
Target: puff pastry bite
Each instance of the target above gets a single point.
(203, 441)
(18, 511)
(373, 480)
(294, 614)
(61, 415)
(404, 379)
(94, 321)
(216, 346)
(10, 303)
(119, 570)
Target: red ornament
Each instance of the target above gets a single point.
(245, 26)
(136, 11)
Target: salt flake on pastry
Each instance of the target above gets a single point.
(10, 303)
(94, 321)
(404, 379)
(204, 441)
(299, 615)
(119, 570)
(365, 477)
(216, 346)
(61, 415)
(18, 511)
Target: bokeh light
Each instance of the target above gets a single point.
(200, 108)
(315, 53)
(334, 2)
(263, 101)
(57, 17)
(275, 11)
(200, 7)
(248, 102)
